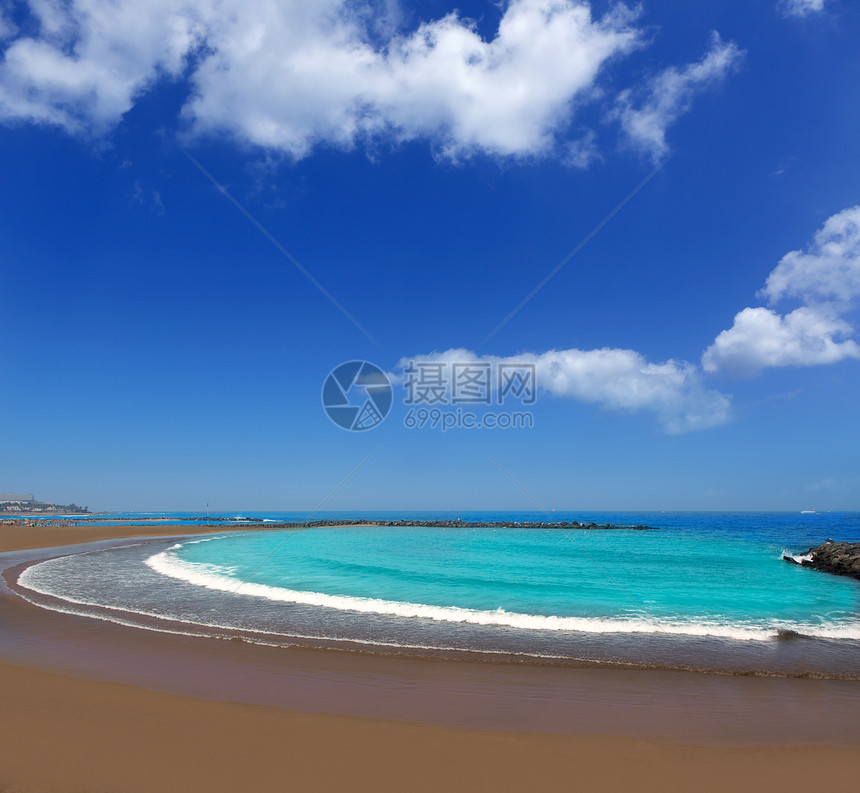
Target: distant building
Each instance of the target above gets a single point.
(12, 497)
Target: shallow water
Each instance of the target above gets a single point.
(704, 591)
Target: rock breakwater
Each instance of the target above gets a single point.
(841, 558)
(459, 524)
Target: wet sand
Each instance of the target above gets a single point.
(154, 713)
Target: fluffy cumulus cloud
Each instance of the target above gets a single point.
(91, 58)
(826, 279)
(829, 270)
(278, 86)
(670, 94)
(616, 379)
(800, 8)
(761, 338)
(293, 74)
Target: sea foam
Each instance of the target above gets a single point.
(215, 578)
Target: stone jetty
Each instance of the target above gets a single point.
(443, 524)
(841, 558)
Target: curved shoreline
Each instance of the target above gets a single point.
(678, 706)
(151, 622)
(133, 711)
(780, 653)
(669, 705)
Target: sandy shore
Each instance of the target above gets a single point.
(61, 733)
(14, 537)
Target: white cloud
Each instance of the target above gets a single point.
(761, 338)
(826, 277)
(800, 8)
(617, 379)
(294, 74)
(828, 270)
(670, 95)
(91, 59)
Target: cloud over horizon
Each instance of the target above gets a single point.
(617, 379)
(825, 277)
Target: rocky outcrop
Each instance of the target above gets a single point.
(841, 558)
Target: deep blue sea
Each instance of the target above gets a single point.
(705, 591)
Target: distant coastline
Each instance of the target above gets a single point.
(37, 508)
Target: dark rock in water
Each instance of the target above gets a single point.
(788, 634)
(841, 558)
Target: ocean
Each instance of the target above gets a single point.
(701, 591)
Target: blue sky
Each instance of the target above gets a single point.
(429, 164)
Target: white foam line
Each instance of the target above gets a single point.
(243, 629)
(196, 574)
(167, 564)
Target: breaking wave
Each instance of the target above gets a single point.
(217, 578)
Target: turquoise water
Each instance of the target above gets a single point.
(651, 580)
(704, 591)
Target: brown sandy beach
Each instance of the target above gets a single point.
(15, 536)
(61, 733)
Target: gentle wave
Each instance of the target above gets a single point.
(213, 578)
(232, 630)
